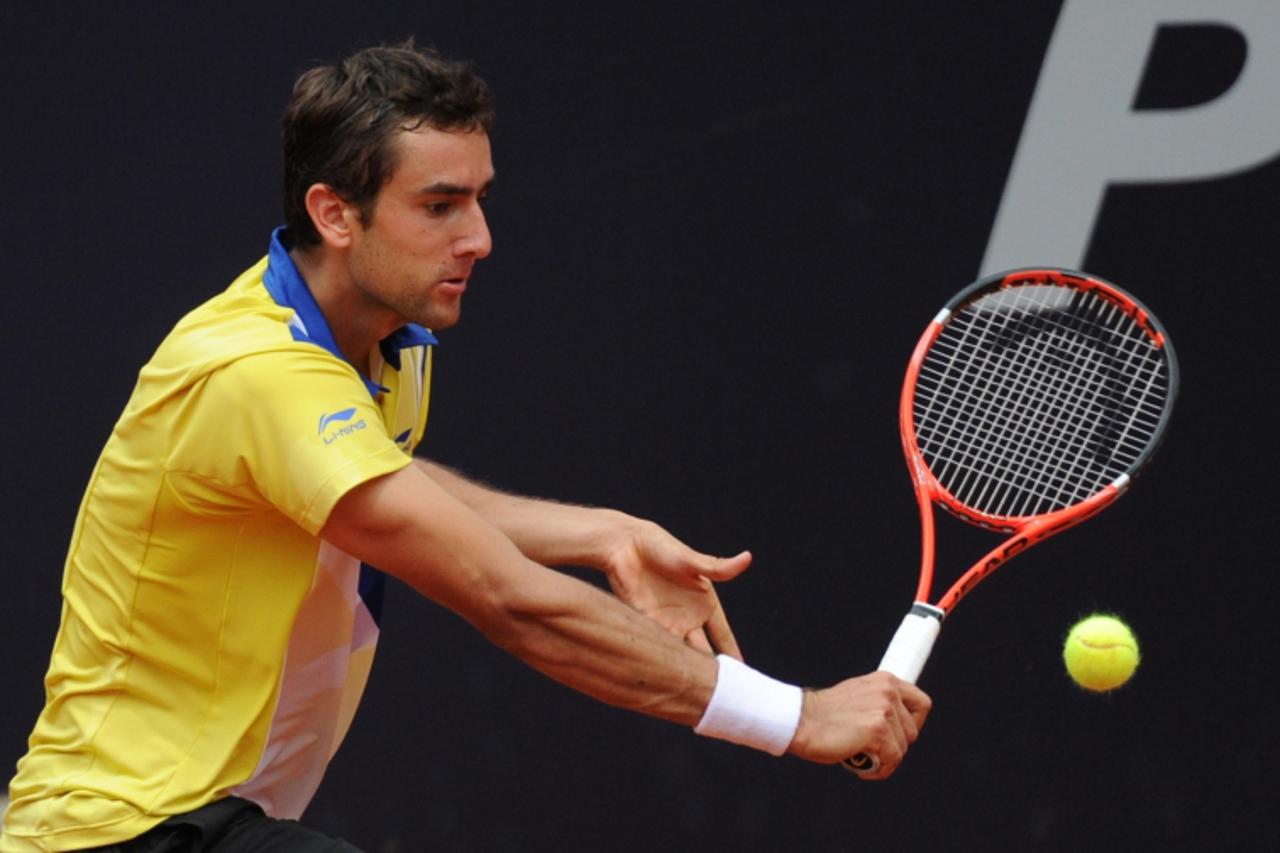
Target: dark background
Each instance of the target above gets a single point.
(719, 230)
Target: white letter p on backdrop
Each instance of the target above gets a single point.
(1082, 133)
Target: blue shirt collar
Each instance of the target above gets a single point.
(288, 288)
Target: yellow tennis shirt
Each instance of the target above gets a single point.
(210, 642)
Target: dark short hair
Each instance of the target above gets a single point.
(340, 123)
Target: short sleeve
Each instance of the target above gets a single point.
(295, 426)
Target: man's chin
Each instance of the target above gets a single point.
(439, 319)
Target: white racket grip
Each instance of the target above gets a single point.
(913, 641)
(905, 657)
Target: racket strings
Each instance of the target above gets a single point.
(1033, 414)
(1035, 397)
(1031, 409)
(1011, 462)
(1090, 384)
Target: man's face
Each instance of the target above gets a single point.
(414, 255)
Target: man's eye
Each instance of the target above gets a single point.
(439, 208)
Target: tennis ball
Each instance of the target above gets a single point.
(1101, 653)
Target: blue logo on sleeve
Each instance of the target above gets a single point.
(344, 415)
(339, 422)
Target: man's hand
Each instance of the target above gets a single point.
(670, 583)
(877, 715)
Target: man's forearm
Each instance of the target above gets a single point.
(547, 532)
(412, 527)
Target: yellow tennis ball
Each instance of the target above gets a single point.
(1101, 653)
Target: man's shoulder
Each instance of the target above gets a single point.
(240, 321)
(239, 315)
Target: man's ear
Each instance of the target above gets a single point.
(331, 214)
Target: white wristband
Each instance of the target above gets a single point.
(750, 708)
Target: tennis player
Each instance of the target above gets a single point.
(219, 610)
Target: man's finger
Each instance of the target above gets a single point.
(720, 634)
(722, 568)
(917, 703)
(697, 638)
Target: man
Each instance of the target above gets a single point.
(219, 613)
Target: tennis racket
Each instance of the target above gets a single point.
(1030, 403)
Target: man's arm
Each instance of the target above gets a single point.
(410, 526)
(558, 534)
(547, 532)
(646, 566)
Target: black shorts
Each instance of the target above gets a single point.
(232, 825)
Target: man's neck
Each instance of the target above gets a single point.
(355, 328)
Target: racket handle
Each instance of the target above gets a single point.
(905, 658)
(913, 641)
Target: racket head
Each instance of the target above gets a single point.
(1035, 394)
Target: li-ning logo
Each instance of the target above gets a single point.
(337, 421)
